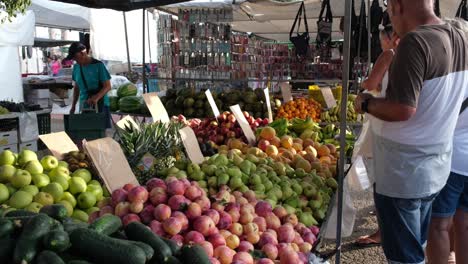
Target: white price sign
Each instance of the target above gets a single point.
(191, 145)
(267, 98)
(156, 107)
(286, 92)
(249, 134)
(328, 97)
(212, 102)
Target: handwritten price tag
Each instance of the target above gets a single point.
(212, 102)
(156, 107)
(286, 92)
(191, 145)
(267, 98)
(249, 134)
(328, 97)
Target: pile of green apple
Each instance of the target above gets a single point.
(306, 194)
(29, 183)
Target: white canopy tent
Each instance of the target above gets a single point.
(273, 19)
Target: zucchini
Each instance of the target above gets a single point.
(30, 238)
(107, 224)
(79, 262)
(56, 211)
(149, 251)
(56, 240)
(100, 248)
(69, 225)
(119, 235)
(175, 248)
(49, 257)
(7, 245)
(173, 260)
(6, 227)
(139, 232)
(20, 213)
(193, 254)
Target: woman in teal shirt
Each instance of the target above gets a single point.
(92, 81)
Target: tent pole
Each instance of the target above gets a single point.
(369, 35)
(344, 100)
(144, 51)
(126, 43)
(149, 38)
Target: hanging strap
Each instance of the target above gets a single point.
(328, 15)
(437, 8)
(298, 18)
(462, 10)
(464, 106)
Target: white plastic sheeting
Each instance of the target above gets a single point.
(13, 34)
(55, 14)
(108, 35)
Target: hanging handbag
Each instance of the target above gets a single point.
(437, 8)
(462, 10)
(324, 25)
(300, 41)
(360, 35)
(376, 14)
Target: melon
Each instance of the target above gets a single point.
(130, 104)
(128, 89)
(114, 103)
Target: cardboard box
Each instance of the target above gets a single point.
(38, 93)
(31, 145)
(8, 138)
(12, 147)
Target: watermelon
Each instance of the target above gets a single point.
(114, 103)
(130, 104)
(128, 89)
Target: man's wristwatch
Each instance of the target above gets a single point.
(365, 105)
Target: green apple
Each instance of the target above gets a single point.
(80, 215)
(34, 207)
(49, 162)
(83, 173)
(6, 173)
(68, 206)
(63, 164)
(94, 182)
(7, 157)
(62, 180)
(21, 178)
(11, 189)
(86, 200)
(55, 189)
(25, 156)
(34, 167)
(44, 198)
(20, 199)
(96, 190)
(77, 185)
(92, 210)
(40, 180)
(59, 171)
(33, 190)
(4, 193)
(106, 192)
(69, 198)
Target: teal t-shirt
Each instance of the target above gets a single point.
(94, 74)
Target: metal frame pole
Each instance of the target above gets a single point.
(344, 100)
(369, 35)
(149, 38)
(126, 42)
(144, 51)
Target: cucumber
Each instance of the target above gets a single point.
(194, 255)
(173, 260)
(6, 227)
(175, 248)
(139, 232)
(7, 245)
(79, 262)
(56, 211)
(107, 224)
(56, 240)
(49, 257)
(119, 235)
(30, 238)
(69, 225)
(149, 251)
(100, 248)
(17, 213)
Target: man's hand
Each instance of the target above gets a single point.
(359, 99)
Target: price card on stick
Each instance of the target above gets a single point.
(249, 134)
(110, 162)
(328, 97)
(127, 121)
(156, 107)
(268, 103)
(212, 102)
(286, 92)
(191, 145)
(58, 143)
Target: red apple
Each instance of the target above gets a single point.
(235, 215)
(265, 261)
(176, 188)
(162, 212)
(291, 219)
(136, 207)
(309, 238)
(127, 187)
(179, 239)
(122, 209)
(237, 229)
(106, 210)
(193, 192)
(271, 251)
(172, 226)
(193, 211)
(157, 228)
(213, 214)
(267, 238)
(273, 222)
(184, 220)
(158, 196)
(147, 214)
(243, 257)
(217, 240)
(224, 254)
(194, 237)
(286, 233)
(262, 208)
(119, 195)
(261, 223)
(203, 224)
(93, 216)
(208, 247)
(245, 246)
(204, 203)
(178, 202)
(225, 220)
(130, 218)
(155, 182)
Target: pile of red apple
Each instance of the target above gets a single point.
(220, 130)
(229, 226)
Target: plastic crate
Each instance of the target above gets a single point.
(85, 126)
(43, 121)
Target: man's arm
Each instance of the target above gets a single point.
(378, 72)
(384, 109)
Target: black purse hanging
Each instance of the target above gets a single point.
(376, 15)
(300, 41)
(462, 11)
(324, 25)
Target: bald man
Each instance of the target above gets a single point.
(415, 127)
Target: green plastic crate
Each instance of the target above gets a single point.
(87, 126)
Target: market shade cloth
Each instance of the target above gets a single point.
(46, 43)
(121, 5)
(273, 19)
(59, 15)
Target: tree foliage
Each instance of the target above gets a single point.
(12, 8)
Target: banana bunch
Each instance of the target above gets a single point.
(330, 131)
(333, 115)
(300, 125)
